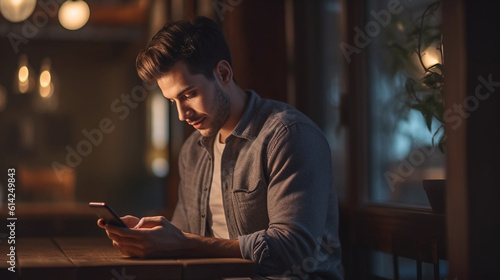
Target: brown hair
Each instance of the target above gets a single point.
(199, 43)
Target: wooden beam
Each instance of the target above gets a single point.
(455, 91)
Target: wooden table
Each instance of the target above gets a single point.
(96, 258)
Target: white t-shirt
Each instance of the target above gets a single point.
(216, 216)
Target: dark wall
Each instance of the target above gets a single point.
(255, 32)
(483, 135)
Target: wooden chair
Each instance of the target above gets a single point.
(412, 234)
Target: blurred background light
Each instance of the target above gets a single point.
(160, 167)
(158, 130)
(24, 80)
(74, 15)
(431, 56)
(45, 85)
(159, 118)
(17, 10)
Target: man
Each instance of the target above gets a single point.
(255, 176)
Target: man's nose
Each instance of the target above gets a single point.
(184, 112)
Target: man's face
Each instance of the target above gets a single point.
(200, 102)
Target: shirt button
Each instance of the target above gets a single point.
(205, 189)
(203, 215)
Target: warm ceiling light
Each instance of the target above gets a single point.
(45, 85)
(24, 80)
(74, 14)
(17, 10)
(46, 88)
(45, 78)
(24, 74)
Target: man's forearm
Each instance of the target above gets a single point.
(199, 246)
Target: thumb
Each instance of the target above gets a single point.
(150, 222)
(130, 221)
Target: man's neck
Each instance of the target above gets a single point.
(239, 101)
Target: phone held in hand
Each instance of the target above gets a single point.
(106, 213)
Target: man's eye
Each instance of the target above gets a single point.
(189, 95)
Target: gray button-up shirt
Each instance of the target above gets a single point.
(276, 179)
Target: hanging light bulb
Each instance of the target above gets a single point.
(17, 10)
(24, 80)
(74, 15)
(45, 85)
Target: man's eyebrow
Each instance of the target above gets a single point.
(184, 90)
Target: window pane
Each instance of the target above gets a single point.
(403, 150)
(332, 82)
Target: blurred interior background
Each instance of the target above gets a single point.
(78, 125)
(285, 50)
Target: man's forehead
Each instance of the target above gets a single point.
(177, 79)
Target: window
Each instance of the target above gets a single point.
(333, 83)
(403, 150)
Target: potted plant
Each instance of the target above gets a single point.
(426, 96)
(426, 93)
(421, 55)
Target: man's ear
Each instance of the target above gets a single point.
(223, 72)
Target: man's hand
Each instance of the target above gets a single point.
(148, 237)
(152, 237)
(129, 221)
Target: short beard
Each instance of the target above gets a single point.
(220, 107)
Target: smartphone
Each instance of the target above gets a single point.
(106, 213)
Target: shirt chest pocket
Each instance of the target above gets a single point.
(251, 206)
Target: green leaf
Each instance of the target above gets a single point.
(410, 88)
(428, 121)
(442, 139)
(433, 79)
(438, 111)
(438, 66)
(434, 7)
(433, 107)
(442, 144)
(419, 107)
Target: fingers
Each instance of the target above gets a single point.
(136, 248)
(130, 217)
(144, 238)
(115, 232)
(130, 221)
(100, 223)
(151, 222)
(127, 240)
(128, 246)
(135, 223)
